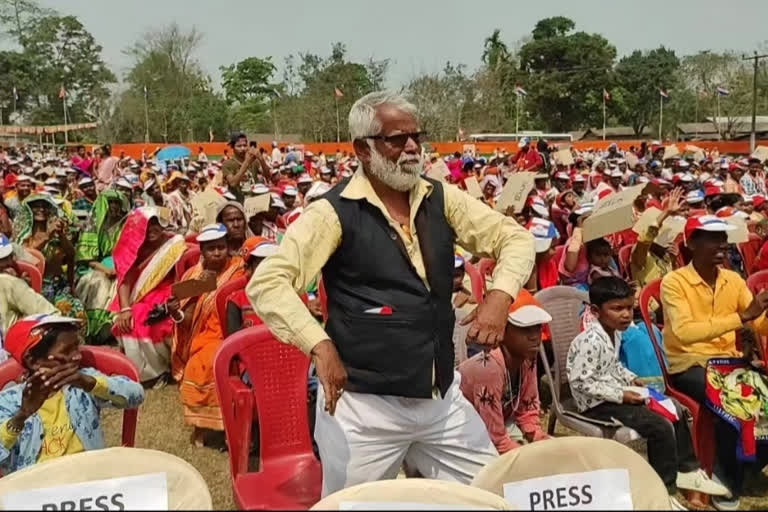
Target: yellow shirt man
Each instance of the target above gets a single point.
(700, 322)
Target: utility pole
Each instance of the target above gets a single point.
(753, 136)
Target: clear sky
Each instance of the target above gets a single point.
(417, 35)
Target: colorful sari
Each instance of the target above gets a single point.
(95, 288)
(56, 287)
(194, 349)
(148, 346)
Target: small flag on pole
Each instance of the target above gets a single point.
(145, 91)
(15, 94)
(722, 91)
(520, 91)
(338, 92)
(663, 93)
(62, 93)
(606, 95)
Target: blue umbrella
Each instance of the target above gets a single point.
(173, 153)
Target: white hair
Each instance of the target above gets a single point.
(362, 116)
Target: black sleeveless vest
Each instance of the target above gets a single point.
(391, 354)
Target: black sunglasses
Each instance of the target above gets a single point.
(399, 140)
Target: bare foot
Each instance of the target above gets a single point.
(197, 437)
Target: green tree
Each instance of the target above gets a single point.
(495, 52)
(16, 71)
(249, 91)
(17, 17)
(565, 73)
(640, 75)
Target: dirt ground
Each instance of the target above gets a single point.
(161, 427)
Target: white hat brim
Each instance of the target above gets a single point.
(542, 244)
(528, 316)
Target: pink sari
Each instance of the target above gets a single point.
(148, 346)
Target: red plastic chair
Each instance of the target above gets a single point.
(191, 238)
(703, 422)
(189, 259)
(624, 256)
(35, 277)
(485, 266)
(323, 298)
(109, 362)
(39, 257)
(290, 475)
(758, 282)
(749, 250)
(478, 282)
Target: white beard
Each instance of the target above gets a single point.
(402, 175)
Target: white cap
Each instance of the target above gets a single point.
(264, 249)
(584, 208)
(325, 170)
(212, 232)
(687, 177)
(615, 173)
(458, 261)
(579, 179)
(277, 202)
(62, 173)
(528, 315)
(290, 191)
(259, 188)
(304, 178)
(49, 319)
(85, 181)
(229, 195)
(6, 247)
(122, 182)
(52, 181)
(148, 184)
(23, 177)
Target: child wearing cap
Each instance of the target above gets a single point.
(55, 411)
(502, 384)
(605, 390)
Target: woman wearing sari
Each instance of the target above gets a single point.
(40, 225)
(232, 215)
(145, 257)
(96, 285)
(198, 334)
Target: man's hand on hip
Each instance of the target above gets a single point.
(489, 320)
(330, 370)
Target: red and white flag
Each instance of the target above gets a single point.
(663, 93)
(338, 92)
(606, 95)
(62, 93)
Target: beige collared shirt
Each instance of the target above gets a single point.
(315, 236)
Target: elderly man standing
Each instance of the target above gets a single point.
(384, 241)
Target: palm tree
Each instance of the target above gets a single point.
(495, 51)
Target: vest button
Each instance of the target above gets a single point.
(393, 235)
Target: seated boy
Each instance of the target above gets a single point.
(598, 383)
(503, 383)
(55, 411)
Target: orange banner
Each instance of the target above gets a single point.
(740, 147)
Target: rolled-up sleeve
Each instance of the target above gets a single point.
(276, 283)
(486, 232)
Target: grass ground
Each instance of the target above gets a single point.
(161, 427)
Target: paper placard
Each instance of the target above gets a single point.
(604, 489)
(142, 492)
(194, 287)
(741, 233)
(473, 187)
(400, 505)
(256, 204)
(669, 231)
(761, 153)
(646, 220)
(612, 213)
(515, 191)
(632, 160)
(564, 157)
(206, 204)
(670, 152)
(438, 171)
(470, 149)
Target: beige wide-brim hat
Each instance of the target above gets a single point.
(413, 492)
(187, 489)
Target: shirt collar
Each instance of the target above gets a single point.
(359, 187)
(693, 278)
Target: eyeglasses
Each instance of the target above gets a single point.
(401, 139)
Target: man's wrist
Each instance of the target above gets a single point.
(499, 296)
(322, 347)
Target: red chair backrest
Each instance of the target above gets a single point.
(758, 282)
(323, 298)
(624, 255)
(485, 266)
(39, 257)
(222, 294)
(278, 372)
(35, 277)
(653, 291)
(109, 362)
(749, 250)
(191, 238)
(189, 259)
(477, 280)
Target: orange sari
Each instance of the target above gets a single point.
(194, 348)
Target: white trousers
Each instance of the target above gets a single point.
(370, 436)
